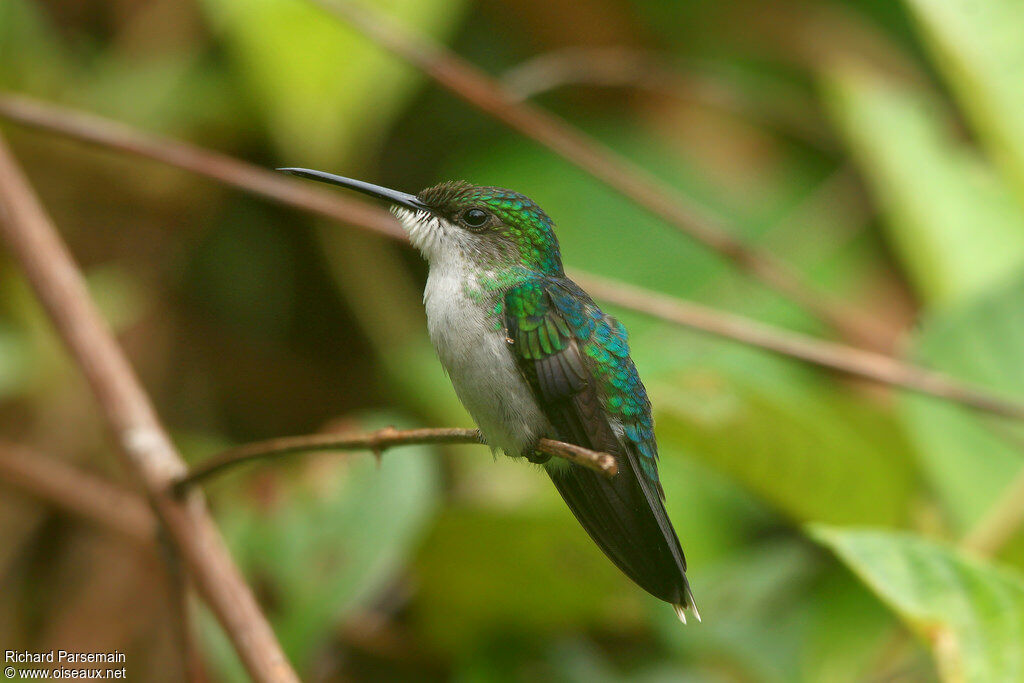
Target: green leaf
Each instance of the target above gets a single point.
(846, 629)
(325, 90)
(953, 223)
(969, 612)
(978, 46)
(810, 452)
(970, 458)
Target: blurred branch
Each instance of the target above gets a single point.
(92, 497)
(626, 67)
(179, 600)
(145, 447)
(846, 359)
(106, 133)
(79, 492)
(603, 66)
(378, 442)
(611, 168)
(849, 360)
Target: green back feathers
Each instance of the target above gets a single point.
(544, 317)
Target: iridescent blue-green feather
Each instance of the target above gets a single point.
(577, 361)
(604, 341)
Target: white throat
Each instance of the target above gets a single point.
(469, 338)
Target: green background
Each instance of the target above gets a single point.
(875, 147)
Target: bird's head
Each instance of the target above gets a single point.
(492, 227)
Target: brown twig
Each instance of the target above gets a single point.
(377, 442)
(107, 133)
(600, 161)
(144, 445)
(840, 357)
(82, 493)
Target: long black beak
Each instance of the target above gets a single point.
(409, 201)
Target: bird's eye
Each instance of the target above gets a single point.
(474, 218)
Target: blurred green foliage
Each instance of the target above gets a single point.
(876, 147)
(969, 612)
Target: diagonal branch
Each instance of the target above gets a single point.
(614, 170)
(848, 360)
(377, 442)
(106, 133)
(871, 366)
(653, 72)
(142, 442)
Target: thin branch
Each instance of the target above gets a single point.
(646, 70)
(616, 171)
(144, 445)
(846, 359)
(106, 133)
(850, 360)
(79, 492)
(377, 442)
(615, 66)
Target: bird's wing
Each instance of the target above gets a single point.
(576, 359)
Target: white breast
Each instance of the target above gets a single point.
(481, 367)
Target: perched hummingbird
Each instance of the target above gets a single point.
(531, 355)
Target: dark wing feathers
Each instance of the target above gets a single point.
(576, 359)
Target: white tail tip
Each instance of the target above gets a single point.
(681, 612)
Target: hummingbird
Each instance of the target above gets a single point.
(530, 355)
